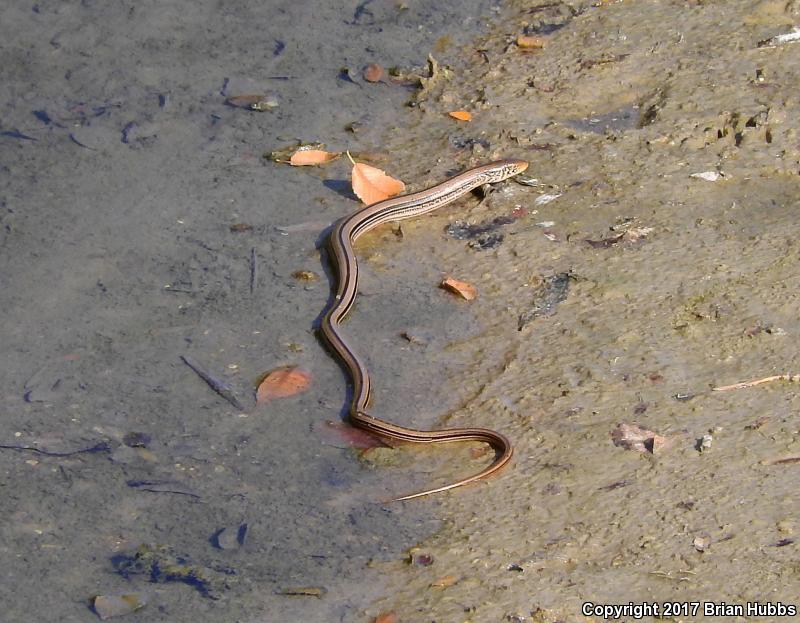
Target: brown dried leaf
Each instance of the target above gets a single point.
(385, 617)
(372, 185)
(311, 157)
(282, 382)
(373, 72)
(633, 437)
(701, 542)
(461, 115)
(463, 289)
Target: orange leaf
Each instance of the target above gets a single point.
(465, 290)
(372, 185)
(340, 435)
(309, 157)
(373, 72)
(385, 617)
(282, 382)
(530, 43)
(461, 115)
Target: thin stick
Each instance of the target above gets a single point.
(794, 378)
(253, 269)
(218, 385)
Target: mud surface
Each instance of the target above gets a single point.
(649, 256)
(657, 259)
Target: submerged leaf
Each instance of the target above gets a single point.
(373, 72)
(311, 157)
(341, 435)
(282, 382)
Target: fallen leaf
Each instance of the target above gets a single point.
(528, 42)
(373, 72)
(465, 290)
(445, 581)
(108, 606)
(633, 437)
(372, 185)
(311, 157)
(282, 382)
(385, 617)
(340, 435)
(461, 115)
(702, 542)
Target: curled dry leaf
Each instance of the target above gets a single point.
(528, 42)
(373, 72)
(702, 542)
(461, 115)
(311, 157)
(385, 617)
(465, 290)
(633, 437)
(372, 185)
(282, 382)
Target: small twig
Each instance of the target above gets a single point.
(162, 486)
(794, 378)
(100, 446)
(219, 386)
(253, 270)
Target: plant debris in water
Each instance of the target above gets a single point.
(161, 564)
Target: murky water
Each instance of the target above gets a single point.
(123, 171)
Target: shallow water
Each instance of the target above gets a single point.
(123, 172)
